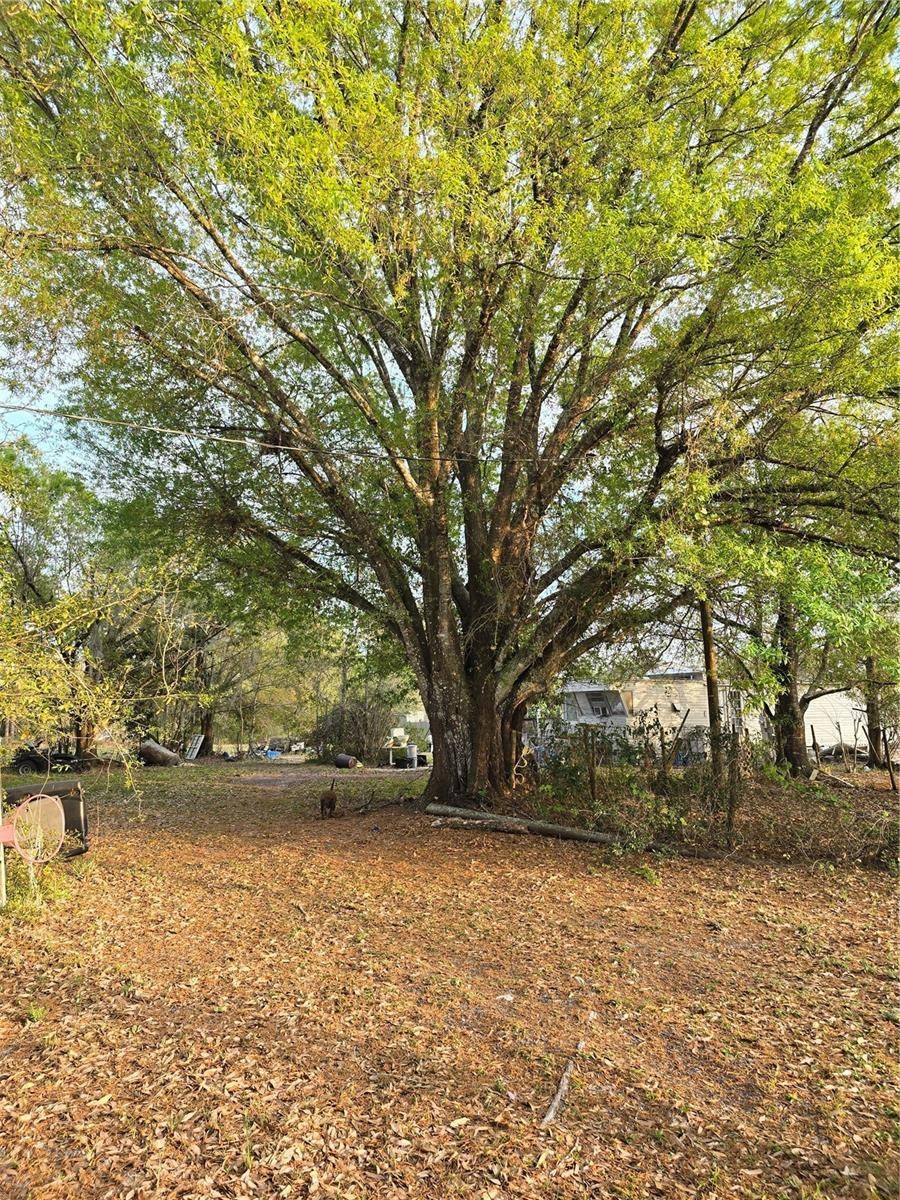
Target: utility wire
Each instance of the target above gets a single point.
(248, 442)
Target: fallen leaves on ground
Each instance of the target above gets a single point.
(239, 1000)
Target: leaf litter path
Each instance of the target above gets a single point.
(237, 1000)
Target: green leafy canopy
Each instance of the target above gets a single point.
(510, 301)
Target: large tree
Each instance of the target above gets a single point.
(500, 294)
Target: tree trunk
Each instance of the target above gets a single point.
(471, 738)
(206, 728)
(712, 695)
(789, 713)
(873, 716)
(512, 724)
(85, 737)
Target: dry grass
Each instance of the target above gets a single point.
(238, 1000)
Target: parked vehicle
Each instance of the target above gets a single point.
(37, 760)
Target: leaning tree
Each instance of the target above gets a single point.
(485, 300)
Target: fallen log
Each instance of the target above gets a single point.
(498, 826)
(487, 822)
(543, 828)
(155, 755)
(473, 818)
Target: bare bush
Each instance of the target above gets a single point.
(358, 726)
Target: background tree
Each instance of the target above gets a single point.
(374, 688)
(486, 297)
(798, 624)
(57, 593)
(48, 525)
(799, 618)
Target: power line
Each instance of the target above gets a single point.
(249, 443)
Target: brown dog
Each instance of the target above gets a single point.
(328, 802)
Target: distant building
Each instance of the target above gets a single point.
(415, 715)
(671, 697)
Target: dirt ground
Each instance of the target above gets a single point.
(235, 999)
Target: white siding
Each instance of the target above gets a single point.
(668, 700)
(827, 712)
(673, 697)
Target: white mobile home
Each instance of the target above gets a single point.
(671, 697)
(839, 716)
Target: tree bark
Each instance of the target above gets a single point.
(206, 728)
(85, 737)
(712, 695)
(873, 716)
(789, 712)
(472, 735)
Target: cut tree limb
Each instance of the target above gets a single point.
(474, 818)
(565, 1079)
(544, 828)
(500, 825)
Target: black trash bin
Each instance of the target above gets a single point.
(76, 823)
(71, 797)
